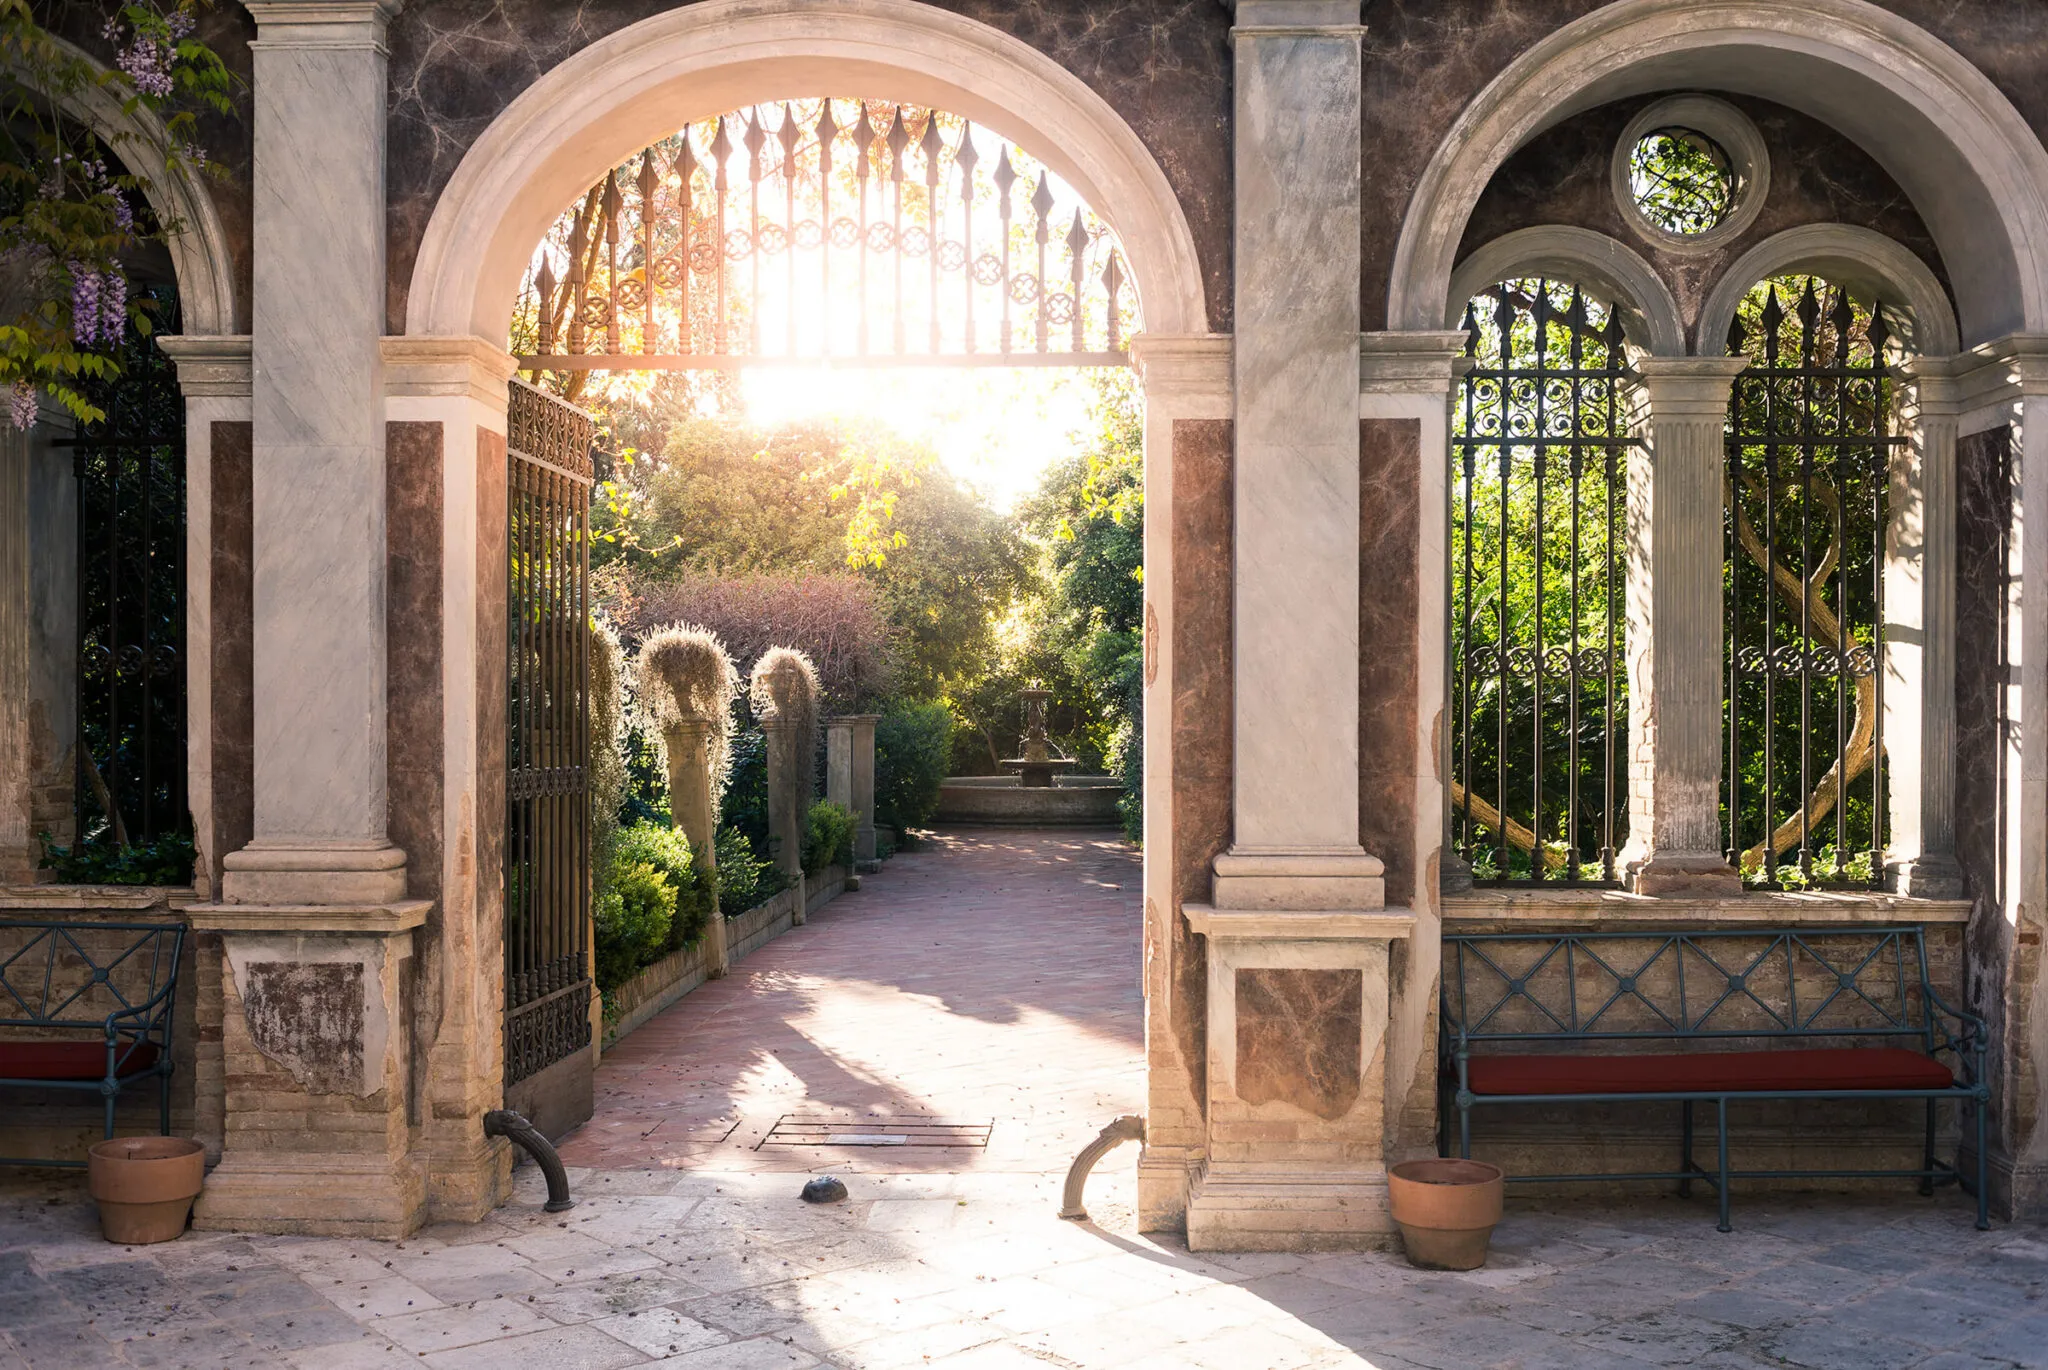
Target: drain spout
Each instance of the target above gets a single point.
(1129, 1128)
(503, 1122)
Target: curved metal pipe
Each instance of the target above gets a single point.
(1129, 1128)
(503, 1122)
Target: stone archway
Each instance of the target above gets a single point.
(1971, 165)
(608, 102)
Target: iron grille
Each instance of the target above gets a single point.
(827, 229)
(130, 470)
(1538, 566)
(547, 787)
(1808, 476)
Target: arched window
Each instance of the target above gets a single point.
(1810, 451)
(1538, 567)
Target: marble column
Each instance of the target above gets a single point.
(1295, 580)
(318, 300)
(328, 1006)
(1675, 627)
(1920, 639)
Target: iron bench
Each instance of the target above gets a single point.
(1863, 992)
(96, 1001)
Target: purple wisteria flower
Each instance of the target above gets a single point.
(88, 313)
(113, 306)
(21, 405)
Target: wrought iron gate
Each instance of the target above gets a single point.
(547, 784)
(130, 469)
(1810, 446)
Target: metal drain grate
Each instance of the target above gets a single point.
(792, 1130)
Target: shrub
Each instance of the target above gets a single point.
(913, 743)
(608, 761)
(98, 860)
(745, 805)
(633, 919)
(828, 839)
(667, 850)
(744, 879)
(835, 620)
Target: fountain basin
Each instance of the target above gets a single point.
(1071, 801)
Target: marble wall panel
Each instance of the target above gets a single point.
(232, 644)
(1162, 64)
(1203, 524)
(488, 821)
(1817, 176)
(412, 453)
(1983, 540)
(1299, 1036)
(1389, 513)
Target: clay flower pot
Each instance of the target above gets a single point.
(1446, 1210)
(145, 1186)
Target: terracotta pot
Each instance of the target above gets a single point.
(144, 1186)
(1446, 1210)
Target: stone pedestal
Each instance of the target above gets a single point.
(690, 803)
(1297, 1067)
(788, 795)
(1675, 628)
(850, 778)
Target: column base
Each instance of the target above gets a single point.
(266, 872)
(1234, 1208)
(311, 1194)
(1926, 877)
(1164, 1179)
(1704, 873)
(1299, 880)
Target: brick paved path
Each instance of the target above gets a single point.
(989, 977)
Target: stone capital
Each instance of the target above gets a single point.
(210, 366)
(447, 367)
(1296, 19)
(1409, 363)
(356, 24)
(1689, 387)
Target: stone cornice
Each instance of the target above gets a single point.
(347, 24)
(1409, 363)
(359, 919)
(1295, 19)
(447, 366)
(1183, 364)
(216, 366)
(1289, 925)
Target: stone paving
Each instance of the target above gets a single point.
(696, 1253)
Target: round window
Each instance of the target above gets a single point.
(1690, 173)
(1681, 181)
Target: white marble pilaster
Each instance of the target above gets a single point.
(213, 375)
(1296, 261)
(1920, 638)
(317, 320)
(1675, 626)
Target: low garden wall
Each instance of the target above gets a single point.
(675, 975)
(1071, 802)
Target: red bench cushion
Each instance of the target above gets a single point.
(70, 1060)
(1823, 1068)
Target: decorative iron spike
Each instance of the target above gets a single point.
(1077, 236)
(1809, 308)
(826, 131)
(1879, 333)
(931, 145)
(1041, 200)
(1113, 283)
(755, 138)
(864, 144)
(1843, 315)
(685, 165)
(964, 157)
(649, 180)
(612, 203)
(544, 284)
(899, 139)
(579, 242)
(1773, 313)
(789, 134)
(721, 152)
(1005, 177)
(1738, 336)
(1471, 326)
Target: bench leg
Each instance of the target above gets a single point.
(1721, 1140)
(1927, 1153)
(1465, 1132)
(110, 1096)
(1983, 1168)
(163, 1105)
(1685, 1150)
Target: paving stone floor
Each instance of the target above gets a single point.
(692, 1251)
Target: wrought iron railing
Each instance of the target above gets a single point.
(130, 468)
(1809, 458)
(826, 229)
(1538, 565)
(547, 784)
